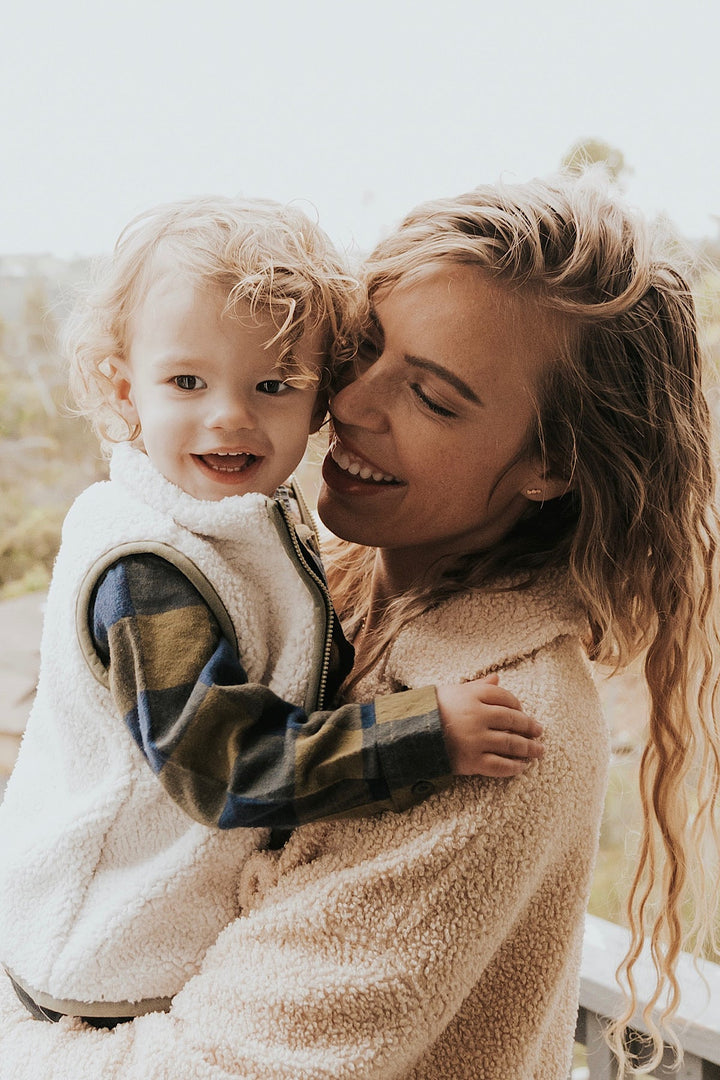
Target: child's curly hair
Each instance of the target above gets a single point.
(266, 255)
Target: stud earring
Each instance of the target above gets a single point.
(533, 491)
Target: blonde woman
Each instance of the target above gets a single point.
(522, 475)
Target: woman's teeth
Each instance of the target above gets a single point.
(358, 468)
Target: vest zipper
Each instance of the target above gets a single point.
(322, 589)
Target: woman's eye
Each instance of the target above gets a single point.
(272, 386)
(429, 403)
(189, 382)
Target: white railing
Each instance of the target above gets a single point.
(697, 1024)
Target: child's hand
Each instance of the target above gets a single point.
(486, 732)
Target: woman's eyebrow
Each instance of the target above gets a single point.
(448, 376)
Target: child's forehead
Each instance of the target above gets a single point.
(241, 297)
(172, 290)
(178, 310)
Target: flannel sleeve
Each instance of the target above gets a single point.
(230, 752)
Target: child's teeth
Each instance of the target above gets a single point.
(353, 468)
(365, 473)
(378, 476)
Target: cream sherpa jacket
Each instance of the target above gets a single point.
(109, 892)
(439, 944)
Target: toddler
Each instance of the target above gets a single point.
(187, 710)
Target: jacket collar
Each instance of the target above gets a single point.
(471, 634)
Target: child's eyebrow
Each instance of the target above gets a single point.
(171, 361)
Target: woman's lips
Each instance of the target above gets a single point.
(344, 471)
(358, 466)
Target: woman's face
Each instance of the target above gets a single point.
(428, 458)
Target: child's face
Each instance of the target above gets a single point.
(215, 415)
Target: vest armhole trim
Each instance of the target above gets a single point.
(143, 547)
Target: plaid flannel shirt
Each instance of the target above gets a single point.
(232, 753)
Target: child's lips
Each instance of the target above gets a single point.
(228, 462)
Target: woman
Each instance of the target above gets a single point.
(526, 455)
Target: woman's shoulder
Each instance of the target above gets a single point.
(471, 633)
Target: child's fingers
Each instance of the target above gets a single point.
(501, 718)
(502, 767)
(492, 694)
(508, 745)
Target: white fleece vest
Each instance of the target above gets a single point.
(109, 892)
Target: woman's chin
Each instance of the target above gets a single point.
(334, 515)
(342, 516)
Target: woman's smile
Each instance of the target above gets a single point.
(359, 467)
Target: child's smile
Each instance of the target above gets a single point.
(228, 461)
(226, 467)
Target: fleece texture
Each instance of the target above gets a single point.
(109, 892)
(438, 944)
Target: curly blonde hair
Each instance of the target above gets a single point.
(623, 416)
(266, 255)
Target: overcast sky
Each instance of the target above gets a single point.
(362, 109)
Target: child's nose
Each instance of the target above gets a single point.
(231, 413)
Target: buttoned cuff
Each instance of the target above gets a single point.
(410, 745)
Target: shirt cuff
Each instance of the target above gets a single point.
(411, 746)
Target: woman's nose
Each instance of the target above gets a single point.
(362, 402)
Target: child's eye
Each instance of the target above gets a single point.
(189, 382)
(428, 402)
(272, 386)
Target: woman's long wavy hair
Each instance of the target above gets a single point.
(622, 415)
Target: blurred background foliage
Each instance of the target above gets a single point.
(47, 455)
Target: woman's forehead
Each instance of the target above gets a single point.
(456, 313)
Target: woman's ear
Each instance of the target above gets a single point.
(540, 485)
(118, 373)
